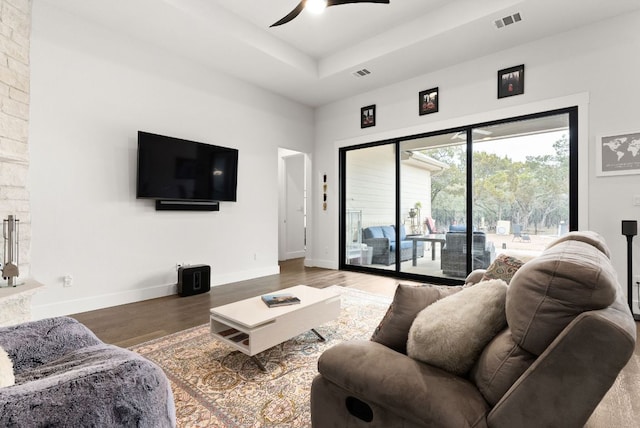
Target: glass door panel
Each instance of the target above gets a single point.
(370, 199)
(433, 189)
(520, 187)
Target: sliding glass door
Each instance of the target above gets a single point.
(439, 205)
(370, 206)
(434, 202)
(521, 185)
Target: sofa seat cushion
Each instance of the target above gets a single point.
(548, 292)
(451, 333)
(393, 330)
(404, 245)
(422, 394)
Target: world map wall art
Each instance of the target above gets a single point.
(618, 154)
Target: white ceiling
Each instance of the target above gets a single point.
(312, 58)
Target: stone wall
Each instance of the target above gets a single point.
(15, 31)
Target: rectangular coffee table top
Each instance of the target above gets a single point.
(253, 312)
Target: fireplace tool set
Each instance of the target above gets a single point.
(11, 233)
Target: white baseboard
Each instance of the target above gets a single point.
(102, 301)
(326, 264)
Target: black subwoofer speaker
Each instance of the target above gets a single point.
(194, 279)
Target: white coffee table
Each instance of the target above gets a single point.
(251, 327)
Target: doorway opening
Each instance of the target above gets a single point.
(293, 170)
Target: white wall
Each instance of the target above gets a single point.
(91, 91)
(594, 67)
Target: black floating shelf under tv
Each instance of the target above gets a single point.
(170, 205)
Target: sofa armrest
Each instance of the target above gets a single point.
(34, 343)
(100, 385)
(380, 246)
(415, 391)
(475, 276)
(579, 367)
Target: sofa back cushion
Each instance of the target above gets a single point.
(403, 232)
(501, 363)
(373, 232)
(408, 301)
(588, 237)
(389, 232)
(548, 292)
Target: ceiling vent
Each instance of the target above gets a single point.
(361, 73)
(508, 20)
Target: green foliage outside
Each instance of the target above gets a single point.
(533, 193)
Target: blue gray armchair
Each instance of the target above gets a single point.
(383, 241)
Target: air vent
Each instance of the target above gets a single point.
(361, 73)
(508, 20)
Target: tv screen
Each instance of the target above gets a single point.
(175, 169)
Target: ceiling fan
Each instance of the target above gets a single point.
(303, 3)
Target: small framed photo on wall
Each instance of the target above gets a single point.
(511, 81)
(368, 116)
(428, 101)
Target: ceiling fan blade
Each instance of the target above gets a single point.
(300, 7)
(337, 2)
(295, 12)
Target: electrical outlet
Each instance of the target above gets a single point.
(636, 200)
(67, 281)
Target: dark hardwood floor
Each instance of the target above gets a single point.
(134, 323)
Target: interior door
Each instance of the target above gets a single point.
(294, 221)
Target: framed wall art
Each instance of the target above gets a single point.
(428, 101)
(618, 154)
(511, 81)
(368, 116)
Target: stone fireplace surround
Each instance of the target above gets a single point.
(15, 31)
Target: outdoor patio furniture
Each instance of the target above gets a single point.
(520, 233)
(454, 253)
(383, 241)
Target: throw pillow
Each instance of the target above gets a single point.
(7, 378)
(451, 333)
(503, 267)
(408, 300)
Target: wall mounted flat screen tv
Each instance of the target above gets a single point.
(181, 170)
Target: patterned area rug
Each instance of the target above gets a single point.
(217, 386)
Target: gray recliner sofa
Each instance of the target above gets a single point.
(569, 333)
(66, 377)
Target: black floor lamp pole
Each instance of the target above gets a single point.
(630, 229)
